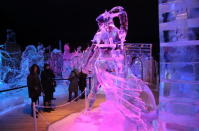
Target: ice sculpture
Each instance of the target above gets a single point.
(66, 62)
(108, 33)
(40, 51)
(6, 65)
(76, 59)
(107, 37)
(12, 98)
(63, 63)
(56, 62)
(2, 73)
(30, 56)
(127, 97)
(1, 65)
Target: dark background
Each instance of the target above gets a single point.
(73, 21)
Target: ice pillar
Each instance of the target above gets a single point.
(179, 64)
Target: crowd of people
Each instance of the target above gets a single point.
(44, 83)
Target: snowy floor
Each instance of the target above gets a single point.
(20, 117)
(92, 121)
(103, 118)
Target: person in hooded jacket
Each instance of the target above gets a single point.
(73, 86)
(82, 83)
(48, 86)
(34, 85)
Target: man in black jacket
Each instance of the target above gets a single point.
(48, 85)
(73, 86)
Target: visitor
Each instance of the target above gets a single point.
(48, 86)
(73, 86)
(34, 85)
(82, 83)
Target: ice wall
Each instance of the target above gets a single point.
(179, 63)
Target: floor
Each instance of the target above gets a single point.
(20, 119)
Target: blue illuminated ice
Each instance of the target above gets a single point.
(31, 55)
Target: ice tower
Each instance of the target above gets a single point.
(179, 64)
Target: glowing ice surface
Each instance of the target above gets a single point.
(66, 62)
(6, 70)
(30, 56)
(108, 33)
(179, 65)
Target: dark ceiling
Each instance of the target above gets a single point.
(73, 21)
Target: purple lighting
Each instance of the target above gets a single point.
(129, 101)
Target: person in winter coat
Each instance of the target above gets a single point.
(73, 86)
(48, 86)
(34, 84)
(82, 83)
